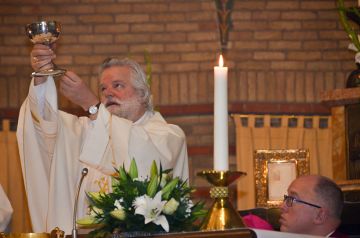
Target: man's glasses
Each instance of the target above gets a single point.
(289, 200)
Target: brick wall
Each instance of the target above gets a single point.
(284, 51)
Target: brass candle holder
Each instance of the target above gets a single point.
(222, 215)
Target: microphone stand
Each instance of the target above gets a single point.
(74, 230)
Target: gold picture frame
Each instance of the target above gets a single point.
(274, 171)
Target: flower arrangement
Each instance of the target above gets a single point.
(156, 204)
(346, 14)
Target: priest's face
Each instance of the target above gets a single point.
(118, 93)
(297, 217)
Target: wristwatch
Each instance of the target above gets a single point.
(94, 109)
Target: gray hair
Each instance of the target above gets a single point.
(330, 193)
(138, 77)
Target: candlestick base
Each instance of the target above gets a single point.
(222, 215)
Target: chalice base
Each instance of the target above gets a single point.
(222, 215)
(50, 72)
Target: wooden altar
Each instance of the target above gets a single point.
(345, 116)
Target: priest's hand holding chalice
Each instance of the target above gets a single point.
(43, 35)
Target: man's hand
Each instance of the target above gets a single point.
(74, 89)
(40, 58)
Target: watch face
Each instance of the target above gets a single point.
(93, 110)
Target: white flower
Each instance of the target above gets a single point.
(151, 208)
(140, 179)
(118, 205)
(118, 212)
(357, 57)
(189, 205)
(351, 46)
(171, 206)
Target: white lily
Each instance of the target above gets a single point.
(151, 208)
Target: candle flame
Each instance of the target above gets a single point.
(221, 61)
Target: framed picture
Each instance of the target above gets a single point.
(274, 171)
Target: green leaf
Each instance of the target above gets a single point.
(166, 191)
(133, 171)
(122, 174)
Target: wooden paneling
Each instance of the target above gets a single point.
(11, 179)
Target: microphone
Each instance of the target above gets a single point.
(84, 172)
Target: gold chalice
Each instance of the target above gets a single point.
(45, 32)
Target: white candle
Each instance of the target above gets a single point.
(221, 149)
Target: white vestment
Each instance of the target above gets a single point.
(5, 210)
(55, 146)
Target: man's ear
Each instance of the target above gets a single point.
(320, 216)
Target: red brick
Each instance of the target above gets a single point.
(318, 5)
(96, 18)
(332, 34)
(250, 45)
(345, 55)
(287, 5)
(184, 6)
(39, 9)
(202, 36)
(300, 35)
(164, 58)
(268, 35)
(76, 9)
(268, 55)
(149, 47)
(181, 27)
(14, 60)
(147, 27)
(168, 38)
(167, 17)
(131, 18)
(298, 15)
(132, 38)
(251, 25)
(284, 25)
(319, 45)
(86, 60)
(200, 16)
(197, 56)
(110, 7)
(287, 65)
(150, 7)
(240, 15)
(111, 28)
(321, 25)
(323, 66)
(93, 39)
(304, 55)
(180, 67)
(76, 29)
(254, 65)
(266, 15)
(111, 49)
(180, 47)
(249, 5)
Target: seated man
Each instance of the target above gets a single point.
(5, 210)
(313, 206)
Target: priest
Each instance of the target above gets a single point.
(55, 146)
